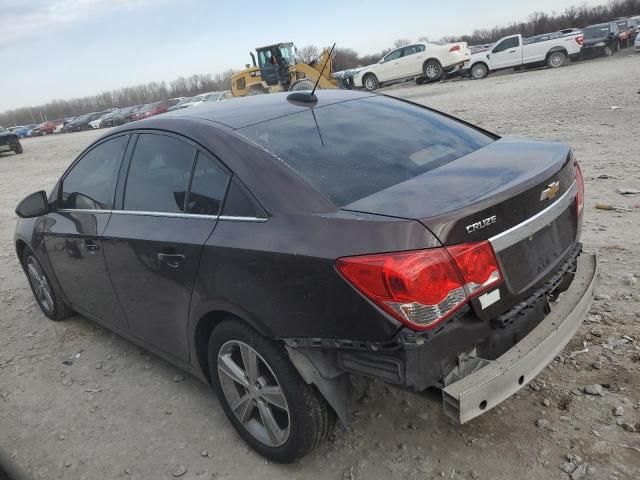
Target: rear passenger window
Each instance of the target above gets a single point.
(91, 183)
(207, 187)
(240, 203)
(159, 174)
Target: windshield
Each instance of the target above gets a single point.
(328, 145)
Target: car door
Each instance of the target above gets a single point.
(507, 53)
(390, 66)
(413, 57)
(167, 209)
(73, 230)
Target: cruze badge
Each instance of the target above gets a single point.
(550, 192)
(474, 227)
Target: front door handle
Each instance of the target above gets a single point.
(90, 246)
(173, 260)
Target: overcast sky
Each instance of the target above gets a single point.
(72, 48)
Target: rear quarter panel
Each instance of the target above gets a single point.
(279, 275)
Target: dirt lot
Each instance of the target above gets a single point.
(118, 412)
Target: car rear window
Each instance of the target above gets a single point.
(353, 149)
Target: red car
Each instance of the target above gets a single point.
(156, 108)
(45, 128)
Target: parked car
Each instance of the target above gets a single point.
(552, 49)
(82, 122)
(9, 141)
(601, 39)
(218, 96)
(100, 122)
(636, 44)
(419, 60)
(204, 97)
(184, 103)
(23, 131)
(244, 244)
(125, 115)
(626, 27)
(153, 109)
(636, 26)
(45, 128)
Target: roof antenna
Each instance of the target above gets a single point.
(304, 97)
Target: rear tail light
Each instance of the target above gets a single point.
(580, 192)
(580, 40)
(455, 48)
(422, 288)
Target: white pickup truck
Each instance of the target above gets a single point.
(554, 49)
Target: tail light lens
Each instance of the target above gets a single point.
(580, 193)
(455, 48)
(422, 288)
(580, 40)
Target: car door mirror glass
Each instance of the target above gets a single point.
(33, 205)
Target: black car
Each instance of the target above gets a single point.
(275, 245)
(9, 141)
(601, 39)
(126, 115)
(115, 117)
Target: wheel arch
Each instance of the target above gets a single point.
(204, 327)
(557, 49)
(431, 59)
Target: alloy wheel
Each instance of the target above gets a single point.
(253, 393)
(40, 284)
(432, 71)
(369, 83)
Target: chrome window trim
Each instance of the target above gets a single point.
(80, 210)
(533, 224)
(164, 214)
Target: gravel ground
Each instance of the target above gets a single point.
(118, 412)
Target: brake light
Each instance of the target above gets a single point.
(580, 40)
(421, 288)
(580, 192)
(455, 48)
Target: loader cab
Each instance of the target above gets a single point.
(274, 62)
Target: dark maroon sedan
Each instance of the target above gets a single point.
(153, 109)
(277, 244)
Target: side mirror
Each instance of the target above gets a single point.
(34, 205)
(381, 60)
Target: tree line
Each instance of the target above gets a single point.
(120, 97)
(344, 58)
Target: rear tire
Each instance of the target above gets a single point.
(606, 51)
(556, 59)
(370, 82)
(432, 70)
(298, 418)
(18, 149)
(46, 294)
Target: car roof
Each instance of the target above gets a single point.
(260, 108)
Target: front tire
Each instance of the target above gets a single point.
(48, 298)
(18, 149)
(370, 82)
(556, 59)
(432, 70)
(479, 71)
(302, 85)
(265, 399)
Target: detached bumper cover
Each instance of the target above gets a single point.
(482, 390)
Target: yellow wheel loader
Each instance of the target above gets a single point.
(276, 70)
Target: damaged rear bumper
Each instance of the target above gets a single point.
(498, 379)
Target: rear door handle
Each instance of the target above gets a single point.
(173, 260)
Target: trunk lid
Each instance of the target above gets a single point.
(496, 189)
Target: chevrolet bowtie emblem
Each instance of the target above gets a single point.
(550, 192)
